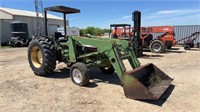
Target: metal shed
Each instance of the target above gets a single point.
(182, 31)
(9, 15)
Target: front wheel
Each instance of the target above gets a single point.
(157, 46)
(78, 74)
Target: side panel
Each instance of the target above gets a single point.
(31, 21)
(185, 31)
(72, 50)
(5, 31)
(160, 29)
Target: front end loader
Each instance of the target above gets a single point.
(80, 53)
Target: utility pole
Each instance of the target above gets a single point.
(39, 17)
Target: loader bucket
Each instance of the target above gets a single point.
(147, 82)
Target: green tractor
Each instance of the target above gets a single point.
(80, 53)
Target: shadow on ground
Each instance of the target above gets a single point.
(60, 74)
(146, 56)
(158, 55)
(173, 51)
(174, 48)
(193, 49)
(96, 76)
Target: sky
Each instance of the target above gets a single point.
(102, 13)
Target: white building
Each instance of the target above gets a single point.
(8, 15)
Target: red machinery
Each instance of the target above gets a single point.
(156, 44)
(120, 31)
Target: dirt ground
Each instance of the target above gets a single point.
(22, 91)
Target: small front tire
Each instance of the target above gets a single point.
(78, 74)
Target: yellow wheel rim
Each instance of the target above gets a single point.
(36, 57)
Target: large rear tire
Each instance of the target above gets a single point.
(42, 56)
(157, 46)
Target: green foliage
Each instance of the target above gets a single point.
(90, 30)
(93, 31)
(82, 32)
(105, 30)
(2, 47)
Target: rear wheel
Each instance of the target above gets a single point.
(157, 46)
(107, 70)
(187, 47)
(41, 56)
(78, 74)
(198, 45)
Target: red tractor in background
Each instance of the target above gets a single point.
(121, 31)
(159, 43)
(155, 44)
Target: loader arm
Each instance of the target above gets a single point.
(115, 50)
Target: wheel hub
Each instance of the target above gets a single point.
(77, 76)
(156, 47)
(36, 57)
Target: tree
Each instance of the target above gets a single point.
(98, 31)
(82, 32)
(93, 31)
(105, 30)
(90, 30)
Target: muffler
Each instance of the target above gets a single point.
(146, 82)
